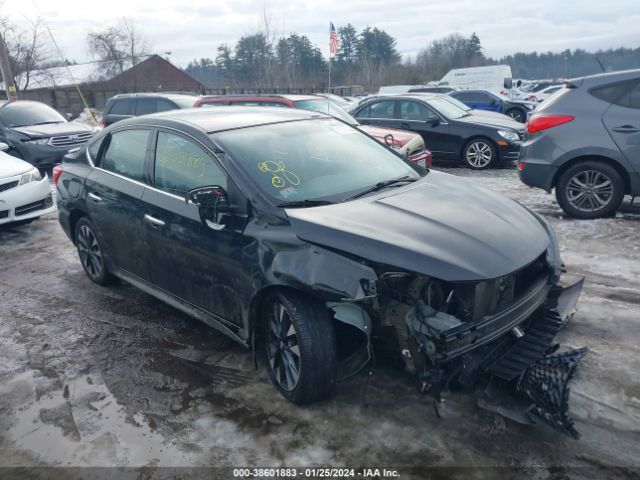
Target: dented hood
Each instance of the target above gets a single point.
(442, 226)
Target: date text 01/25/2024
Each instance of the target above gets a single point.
(312, 473)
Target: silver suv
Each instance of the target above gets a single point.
(584, 141)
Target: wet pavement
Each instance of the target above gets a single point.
(102, 377)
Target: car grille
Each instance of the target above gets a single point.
(7, 186)
(70, 140)
(4, 213)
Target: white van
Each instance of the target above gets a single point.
(479, 78)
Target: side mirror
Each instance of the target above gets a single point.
(508, 83)
(492, 102)
(3, 147)
(434, 122)
(212, 203)
(68, 115)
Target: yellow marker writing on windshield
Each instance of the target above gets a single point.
(279, 167)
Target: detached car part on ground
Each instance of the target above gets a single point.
(303, 239)
(24, 193)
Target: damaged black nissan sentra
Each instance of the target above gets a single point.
(303, 238)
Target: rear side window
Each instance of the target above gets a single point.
(610, 93)
(163, 105)
(181, 165)
(630, 97)
(145, 106)
(122, 107)
(382, 109)
(126, 153)
(94, 150)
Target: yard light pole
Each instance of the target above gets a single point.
(5, 69)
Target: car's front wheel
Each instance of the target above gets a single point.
(590, 189)
(90, 253)
(299, 345)
(479, 154)
(517, 114)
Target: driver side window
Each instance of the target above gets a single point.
(181, 165)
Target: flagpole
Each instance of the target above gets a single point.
(329, 89)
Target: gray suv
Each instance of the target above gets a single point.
(127, 105)
(584, 141)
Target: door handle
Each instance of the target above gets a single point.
(94, 197)
(153, 221)
(404, 125)
(626, 129)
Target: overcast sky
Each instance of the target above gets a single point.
(194, 28)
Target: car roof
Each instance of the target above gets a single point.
(154, 94)
(227, 118)
(262, 96)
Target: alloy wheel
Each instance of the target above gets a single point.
(479, 154)
(89, 251)
(589, 190)
(283, 352)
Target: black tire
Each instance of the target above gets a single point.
(298, 337)
(517, 114)
(479, 154)
(91, 253)
(590, 189)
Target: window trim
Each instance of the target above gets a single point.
(106, 141)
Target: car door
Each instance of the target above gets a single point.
(114, 191)
(380, 113)
(419, 118)
(188, 259)
(622, 121)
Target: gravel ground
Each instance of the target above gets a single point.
(102, 377)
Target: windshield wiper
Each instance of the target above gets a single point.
(45, 123)
(304, 203)
(380, 185)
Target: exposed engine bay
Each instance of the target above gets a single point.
(494, 338)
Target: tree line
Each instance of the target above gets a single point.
(368, 57)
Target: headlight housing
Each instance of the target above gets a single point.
(509, 135)
(30, 176)
(38, 141)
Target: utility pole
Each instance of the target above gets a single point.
(5, 69)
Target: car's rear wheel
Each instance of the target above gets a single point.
(91, 253)
(590, 189)
(517, 114)
(299, 346)
(479, 154)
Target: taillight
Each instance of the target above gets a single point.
(538, 123)
(521, 166)
(57, 170)
(104, 123)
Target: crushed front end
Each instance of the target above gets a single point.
(493, 337)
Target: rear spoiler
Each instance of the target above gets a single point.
(573, 83)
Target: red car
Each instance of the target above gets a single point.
(407, 143)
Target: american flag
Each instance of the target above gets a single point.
(333, 40)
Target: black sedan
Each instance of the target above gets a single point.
(303, 238)
(451, 133)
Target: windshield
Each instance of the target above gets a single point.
(446, 108)
(326, 106)
(454, 101)
(319, 159)
(20, 114)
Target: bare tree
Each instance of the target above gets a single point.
(27, 47)
(118, 47)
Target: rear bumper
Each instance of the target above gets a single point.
(539, 175)
(26, 202)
